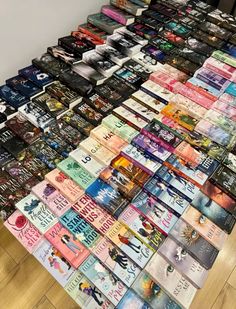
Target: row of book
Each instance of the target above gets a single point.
(120, 166)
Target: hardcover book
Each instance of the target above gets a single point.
(88, 113)
(24, 86)
(37, 213)
(71, 249)
(104, 22)
(38, 77)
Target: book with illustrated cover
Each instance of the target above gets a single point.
(183, 262)
(150, 64)
(87, 161)
(165, 80)
(95, 215)
(200, 249)
(38, 77)
(171, 280)
(109, 93)
(119, 182)
(71, 249)
(112, 54)
(159, 215)
(103, 279)
(220, 68)
(139, 109)
(225, 179)
(51, 197)
(215, 30)
(54, 262)
(24, 86)
(121, 86)
(65, 185)
(75, 45)
(128, 6)
(230, 161)
(130, 118)
(104, 22)
(142, 228)
(198, 46)
(124, 43)
(214, 212)
(99, 104)
(12, 97)
(131, 245)
(151, 292)
(7, 208)
(6, 112)
(137, 38)
(80, 229)
(9, 186)
(76, 172)
(89, 73)
(64, 54)
(97, 151)
(175, 73)
(221, 120)
(88, 113)
(115, 260)
(231, 89)
(206, 228)
(11, 142)
(163, 194)
(93, 34)
(85, 293)
(5, 157)
(107, 197)
(57, 143)
(118, 15)
(37, 213)
(126, 167)
(225, 108)
(17, 171)
(148, 101)
(129, 77)
(24, 231)
(223, 57)
(131, 300)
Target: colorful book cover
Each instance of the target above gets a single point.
(157, 92)
(54, 262)
(183, 262)
(75, 171)
(37, 213)
(142, 227)
(151, 103)
(104, 22)
(17, 171)
(116, 261)
(128, 6)
(97, 150)
(171, 280)
(87, 161)
(130, 118)
(95, 215)
(131, 300)
(99, 104)
(51, 197)
(80, 229)
(107, 197)
(230, 161)
(67, 244)
(88, 113)
(163, 194)
(57, 143)
(214, 212)
(117, 14)
(221, 120)
(86, 294)
(127, 242)
(225, 108)
(206, 228)
(151, 293)
(159, 215)
(139, 109)
(195, 245)
(103, 279)
(35, 75)
(24, 231)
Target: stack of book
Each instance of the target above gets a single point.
(118, 153)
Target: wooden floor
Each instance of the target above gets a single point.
(25, 284)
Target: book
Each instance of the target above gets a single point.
(130, 299)
(107, 197)
(80, 229)
(148, 101)
(164, 80)
(139, 109)
(17, 171)
(183, 263)
(150, 64)
(206, 228)
(104, 22)
(159, 215)
(223, 57)
(138, 68)
(130, 118)
(24, 231)
(137, 38)
(64, 185)
(57, 143)
(194, 244)
(151, 292)
(37, 213)
(54, 262)
(94, 32)
(118, 15)
(215, 30)
(127, 242)
(99, 104)
(88, 73)
(12, 97)
(225, 108)
(51, 197)
(64, 54)
(103, 279)
(220, 68)
(116, 261)
(75, 45)
(220, 120)
(142, 228)
(114, 96)
(124, 43)
(112, 54)
(88, 113)
(97, 151)
(71, 249)
(95, 215)
(24, 86)
(225, 179)
(129, 77)
(121, 86)
(199, 46)
(6, 112)
(5, 157)
(35, 75)
(128, 6)
(179, 288)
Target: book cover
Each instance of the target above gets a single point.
(114, 96)
(88, 113)
(130, 118)
(139, 109)
(95, 215)
(104, 22)
(37, 213)
(127, 242)
(221, 120)
(131, 300)
(65, 185)
(76, 172)
(213, 211)
(6, 111)
(72, 250)
(51, 197)
(195, 245)
(178, 257)
(142, 227)
(75, 45)
(112, 54)
(138, 68)
(64, 54)
(226, 180)
(116, 261)
(206, 228)
(171, 280)
(57, 143)
(151, 292)
(17, 171)
(137, 38)
(93, 34)
(12, 97)
(225, 108)
(54, 262)
(13, 144)
(80, 229)
(151, 103)
(99, 104)
(24, 86)
(128, 6)
(124, 43)
(38, 77)
(129, 77)
(117, 14)
(24, 231)
(5, 157)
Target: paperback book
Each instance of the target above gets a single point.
(124, 43)
(57, 143)
(129, 7)
(148, 101)
(88, 113)
(12, 143)
(12, 97)
(104, 22)
(89, 73)
(99, 104)
(130, 118)
(35, 75)
(118, 15)
(131, 300)
(139, 109)
(112, 54)
(24, 86)
(64, 54)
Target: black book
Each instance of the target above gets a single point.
(78, 47)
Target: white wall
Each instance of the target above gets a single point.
(28, 27)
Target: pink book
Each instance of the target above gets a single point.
(51, 197)
(221, 68)
(25, 232)
(72, 250)
(206, 228)
(165, 80)
(65, 185)
(225, 108)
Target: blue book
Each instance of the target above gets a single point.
(24, 86)
(131, 300)
(231, 89)
(229, 49)
(36, 76)
(12, 97)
